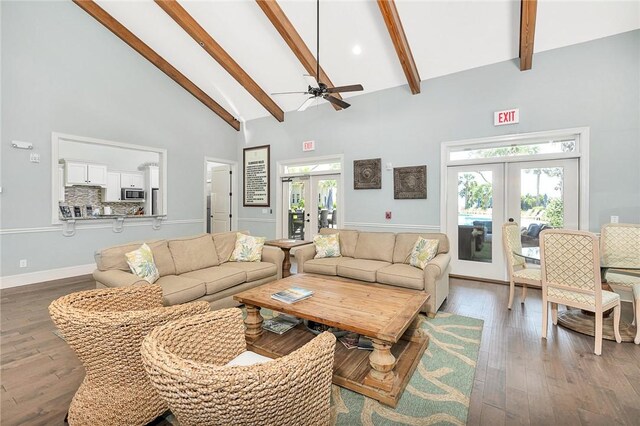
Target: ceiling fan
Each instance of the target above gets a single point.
(316, 88)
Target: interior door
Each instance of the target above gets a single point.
(475, 214)
(542, 195)
(220, 199)
(296, 208)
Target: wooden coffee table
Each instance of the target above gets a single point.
(387, 315)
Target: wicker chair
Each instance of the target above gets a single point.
(186, 362)
(620, 248)
(516, 265)
(105, 329)
(570, 263)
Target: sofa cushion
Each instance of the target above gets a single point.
(115, 257)
(406, 241)
(162, 257)
(190, 254)
(375, 246)
(218, 278)
(360, 269)
(142, 265)
(348, 240)
(176, 289)
(402, 275)
(254, 270)
(324, 266)
(225, 242)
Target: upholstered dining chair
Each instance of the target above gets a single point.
(105, 328)
(517, 267)
(201, 368)
(620, 249)
(570, 264)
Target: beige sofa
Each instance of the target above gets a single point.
(383, 257)
(192, 268)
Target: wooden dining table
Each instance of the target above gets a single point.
(584, 321)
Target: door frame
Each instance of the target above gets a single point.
(234, 190)
(581, 135)
(339, 158)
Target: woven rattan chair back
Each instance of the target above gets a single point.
(105, 328)
(620, 245)
(186, 359)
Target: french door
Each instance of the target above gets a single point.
(309, 203)
(536, 194)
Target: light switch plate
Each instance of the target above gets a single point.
(387, 215)
(34, 157)
(614, 219)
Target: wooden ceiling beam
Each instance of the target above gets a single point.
(272, 10)
(528, 10)
(400, 42)
(139, 46)
(202, 37)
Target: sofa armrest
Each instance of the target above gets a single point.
(303, 254)
(117, 278)
(273, 255)
(436, 266)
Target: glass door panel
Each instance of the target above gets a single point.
(327, 201)
(474, 219)
(296, 202)
(542, 195)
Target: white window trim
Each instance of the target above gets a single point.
(55, 151)
(304, 161)
(580, 134)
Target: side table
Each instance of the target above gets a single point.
(286, 246)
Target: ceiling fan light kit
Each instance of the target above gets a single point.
(316, 88)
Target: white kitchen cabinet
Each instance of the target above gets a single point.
(132, 180)
(77, 173)
(112, 191)
(154, 176)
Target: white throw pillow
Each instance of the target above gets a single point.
(141, 263)
(248, 248)
(423, 251)
(327, 246)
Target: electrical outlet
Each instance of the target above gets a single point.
(614, 219)
(23, 263)
(34, 157)
(387, 215)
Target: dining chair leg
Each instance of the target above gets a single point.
(634, 306)
(524, 293)
(616, 323)
(512, 289)
(598, 342)
(554, 313)
(545, 315)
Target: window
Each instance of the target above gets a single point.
(513, 150)
(312, 168)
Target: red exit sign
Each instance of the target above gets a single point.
(308, 145)
(509, 116)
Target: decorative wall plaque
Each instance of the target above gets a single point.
(410, 182)
(256, 176)
(367, 174)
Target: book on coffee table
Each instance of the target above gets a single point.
(280, 324)
(292, 295)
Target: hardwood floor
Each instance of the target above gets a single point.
(520, 378)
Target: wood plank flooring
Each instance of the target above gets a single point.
(520, 378)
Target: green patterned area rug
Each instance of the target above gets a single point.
(439, 390)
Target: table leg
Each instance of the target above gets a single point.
(286, 263)
(382, 363)
(414, 332)
(253, 324)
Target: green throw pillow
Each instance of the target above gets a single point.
(423, 252)
(248, 248)
(141, 263)
(327, 246)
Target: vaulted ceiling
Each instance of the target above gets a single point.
(443, 37)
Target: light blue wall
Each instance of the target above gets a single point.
(594, 84)
(62, 71)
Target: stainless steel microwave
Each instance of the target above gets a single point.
(132, 194)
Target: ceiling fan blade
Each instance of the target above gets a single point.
(290, 93)
(339, 102)
(307, 103)
(351, 88)
(311, 80)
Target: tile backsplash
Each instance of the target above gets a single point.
(84, 196)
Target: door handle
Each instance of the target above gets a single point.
(308, 220)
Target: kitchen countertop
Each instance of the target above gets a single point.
(114, 216)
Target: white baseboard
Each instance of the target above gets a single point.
(48, 275)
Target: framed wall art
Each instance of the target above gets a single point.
(410, 183)
(367, 174)
(256, 179)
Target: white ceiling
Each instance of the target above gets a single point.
(445, 37)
